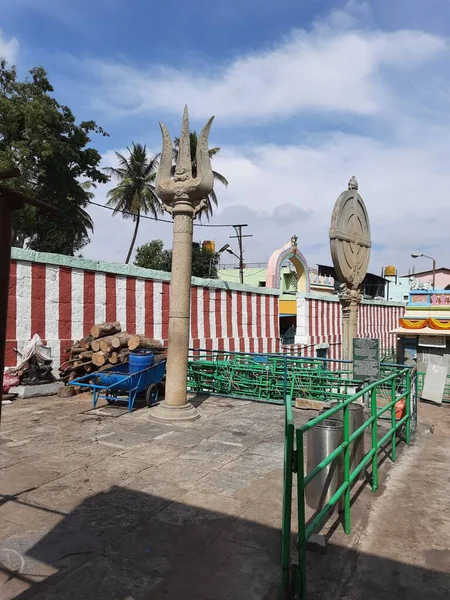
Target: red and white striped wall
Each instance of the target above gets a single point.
(375, 319)
(61, 297)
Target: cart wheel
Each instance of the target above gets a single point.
(151, 395)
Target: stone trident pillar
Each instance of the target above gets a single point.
(350, 250)
(183, 196)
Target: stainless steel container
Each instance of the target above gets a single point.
(356, 419)
(321, 441)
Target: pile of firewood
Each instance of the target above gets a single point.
(106, 346)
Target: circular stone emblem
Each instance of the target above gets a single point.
(350, 237)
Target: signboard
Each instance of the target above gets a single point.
(433, 341)
(435, 378)
(366, 359)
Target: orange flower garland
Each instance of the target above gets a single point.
(421, 323)
(407, 324)
(436, 324)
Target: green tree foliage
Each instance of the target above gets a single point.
(135, 193)
(153, 256)
(41, 137)
(212, 198)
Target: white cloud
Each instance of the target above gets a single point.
(9, 48)
(280, 189)
(284, 190)
(329, 68)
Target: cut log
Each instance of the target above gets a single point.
(66, 366)
(87, 345)
(120, 340)
(105, 345)
(86, 354)
(104, 329)
(99, 359)
(105, 367)
(105, 342)
(113, 358)
(76, 350)
(95, 345)
(140, 341)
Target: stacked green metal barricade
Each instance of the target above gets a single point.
(267, 377)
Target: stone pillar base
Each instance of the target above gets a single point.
(169, 413)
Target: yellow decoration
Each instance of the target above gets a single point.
(436, 324)
(407, 324)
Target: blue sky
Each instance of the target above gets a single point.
(305, 95)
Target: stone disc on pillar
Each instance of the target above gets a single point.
(350, 237)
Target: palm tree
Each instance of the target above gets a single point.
(135, 194)
(212, 198)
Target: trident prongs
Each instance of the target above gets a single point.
(183, 186)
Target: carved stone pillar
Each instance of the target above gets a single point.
(183, 197)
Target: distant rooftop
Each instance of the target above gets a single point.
(428, 272)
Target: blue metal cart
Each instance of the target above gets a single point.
(118, 384)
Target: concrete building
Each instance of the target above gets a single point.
(424, 279)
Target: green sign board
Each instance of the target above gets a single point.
(366, 359)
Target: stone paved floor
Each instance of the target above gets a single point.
(106, 505)
(109, 505)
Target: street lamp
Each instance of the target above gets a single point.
(217, 254)
(421, 255)
(241, 264)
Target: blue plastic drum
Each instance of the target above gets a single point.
(140, 360)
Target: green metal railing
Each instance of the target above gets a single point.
(398, 382)
(267, 377)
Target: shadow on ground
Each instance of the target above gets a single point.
(126, 544)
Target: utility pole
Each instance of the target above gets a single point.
(239, 236)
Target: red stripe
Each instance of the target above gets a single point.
(276, 311)
(12, 303)
(89, 302)
(268, 317)
(111, 297)
(220, 344)
(11, 342)
(258, 317)
(232, 345)
(38, 299)
(252, 344)
(218, 308)
(240, 328)
(149, 316)
(131, 305)
(65, 305)
(194, 313)
(250, 317)
(165, 305)
(206, 310)
(229, 331)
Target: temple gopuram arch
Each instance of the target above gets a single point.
(298, 317)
